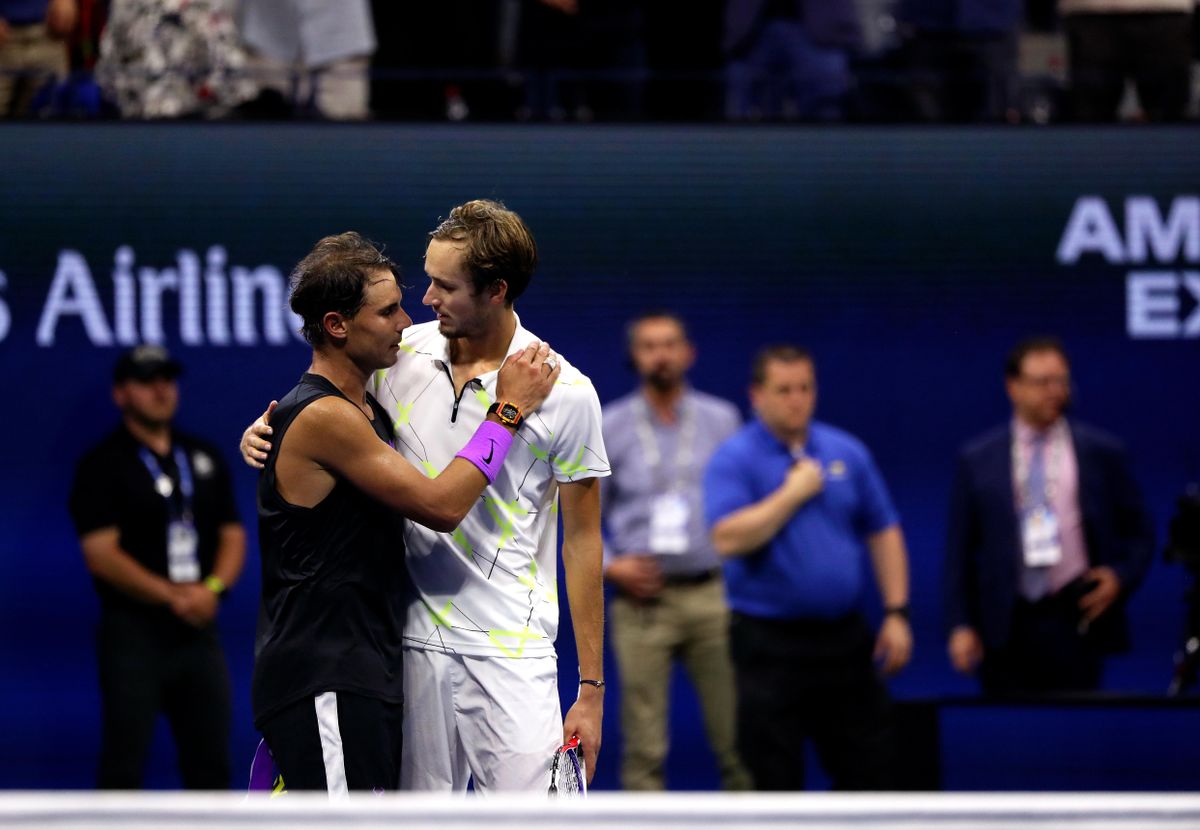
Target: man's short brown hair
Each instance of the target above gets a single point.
(498, 245)
(780, 352)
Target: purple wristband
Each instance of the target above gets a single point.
(487, 449)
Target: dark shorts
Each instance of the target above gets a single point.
(337, 742)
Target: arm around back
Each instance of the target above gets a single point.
(333, 438)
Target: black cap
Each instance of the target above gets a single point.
(146, 362)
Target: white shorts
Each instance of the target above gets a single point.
(494, 720)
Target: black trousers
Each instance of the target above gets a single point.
(1047, 651)
(1154, 50)
(337, 742)
(147, 667)
(801, 680)
(963, 78)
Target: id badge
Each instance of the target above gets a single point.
(164, 486)
(1039, 536)
(669, 515)
(183, 544)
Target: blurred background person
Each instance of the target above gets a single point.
(669, 604)
(154, 511)
(173, 59)
(789, 59)
(582, 59)
(684, 78)
(962, 58)
(1146, 42)
(33, 50)
(792, 503)
(1048, 537)
(313, 52)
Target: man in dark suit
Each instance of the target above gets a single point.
(1048, 536)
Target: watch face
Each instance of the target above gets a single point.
(508, 412)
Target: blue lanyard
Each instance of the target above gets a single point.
(186, 488)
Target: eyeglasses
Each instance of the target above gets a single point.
(1048, 381)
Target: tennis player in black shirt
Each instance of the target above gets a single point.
(328, 685)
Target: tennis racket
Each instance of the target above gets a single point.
(264, 775)
(568, 776)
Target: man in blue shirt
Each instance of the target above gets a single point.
(791, 504)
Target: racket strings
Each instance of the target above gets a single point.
(566, 775)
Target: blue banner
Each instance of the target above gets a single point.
(908, 260)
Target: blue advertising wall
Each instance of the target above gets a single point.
(908, 260)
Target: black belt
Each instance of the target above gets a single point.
(677, 580)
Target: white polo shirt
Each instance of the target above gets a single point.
(489, 588)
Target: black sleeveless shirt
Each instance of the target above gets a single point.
(334, 583)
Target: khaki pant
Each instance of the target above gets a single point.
(29, 60)
(689, 623)
(340, 90)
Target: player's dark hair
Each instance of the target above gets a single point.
(498, 245)
(334, 277)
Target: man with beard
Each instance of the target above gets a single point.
(155, 515)
(328, 683)
(1048, 536)
(670, 599)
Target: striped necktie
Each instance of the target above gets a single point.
(1035, 582)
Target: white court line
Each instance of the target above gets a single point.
(607, 811)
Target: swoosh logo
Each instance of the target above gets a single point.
(491, 452)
